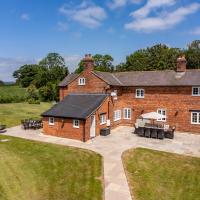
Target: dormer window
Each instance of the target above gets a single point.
(139, 93)
(81, 81)
(195, 91)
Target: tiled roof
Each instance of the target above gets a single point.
(76, 106)
(145, 78)
(152, 78)
(68, 79)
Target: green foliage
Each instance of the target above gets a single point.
(33, 96)
(193, 55)
(12, 94)
(26, 74)
(101, 63)
(1, 83)
(49, 92)
(50, 71)
(158, 57)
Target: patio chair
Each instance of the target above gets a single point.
(147, 132)
(170, 133)
(154, 133)
(161, 134)
(141, 131)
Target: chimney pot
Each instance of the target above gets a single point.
(88, 63)
(181, 64)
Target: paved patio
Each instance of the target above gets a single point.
(111, 148)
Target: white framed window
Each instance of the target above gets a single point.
(75, 123)
(81, 81)
(102, 119)
(139, 93)
(127, 113)
(51, 121)
(195, 117)
(195, 91)
(162, 112)
(117, 115)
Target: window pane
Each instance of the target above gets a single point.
(194, 117)
(196, 91)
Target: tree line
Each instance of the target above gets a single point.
(42, 79)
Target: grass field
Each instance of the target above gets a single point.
(12, 114)
(12, 93)
(155, 175)
(39, 171)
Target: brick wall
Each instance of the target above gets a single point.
(93, 85)
(178, 101)
(63, 128)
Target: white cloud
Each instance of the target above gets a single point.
(196, 31)
(62, 26)
(163, 21)
(150, 5)
(9, 65)
(120, 3)
(87, 14)
(72, 61)
(25, 17)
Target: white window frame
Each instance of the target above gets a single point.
(198, 118)
(127, 113)
(81, 81)
(140, 91)
(161, 112)
(198, 88)
(76, 123)
(102, 118)
(117, 115)
(51, 121)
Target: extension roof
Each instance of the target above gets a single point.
(76, 106)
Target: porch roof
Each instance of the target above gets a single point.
(76, 106)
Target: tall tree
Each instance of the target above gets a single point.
(157, 57)
(193, 55)
(26, 74)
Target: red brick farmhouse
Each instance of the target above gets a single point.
(93, 100)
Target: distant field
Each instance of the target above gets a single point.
(10, 94)
(11, 114)
(40, 171)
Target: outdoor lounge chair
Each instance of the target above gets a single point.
(147, 132)
(170, 133)
(154, 133)
(161, 134)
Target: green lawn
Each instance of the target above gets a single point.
(40, 171)
(12, 114)
(155, 175)
(12, 94)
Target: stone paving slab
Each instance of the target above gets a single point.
(111, 148)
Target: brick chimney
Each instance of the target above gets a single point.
(88, 63)
(181, 64)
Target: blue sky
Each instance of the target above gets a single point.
(32, 28)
